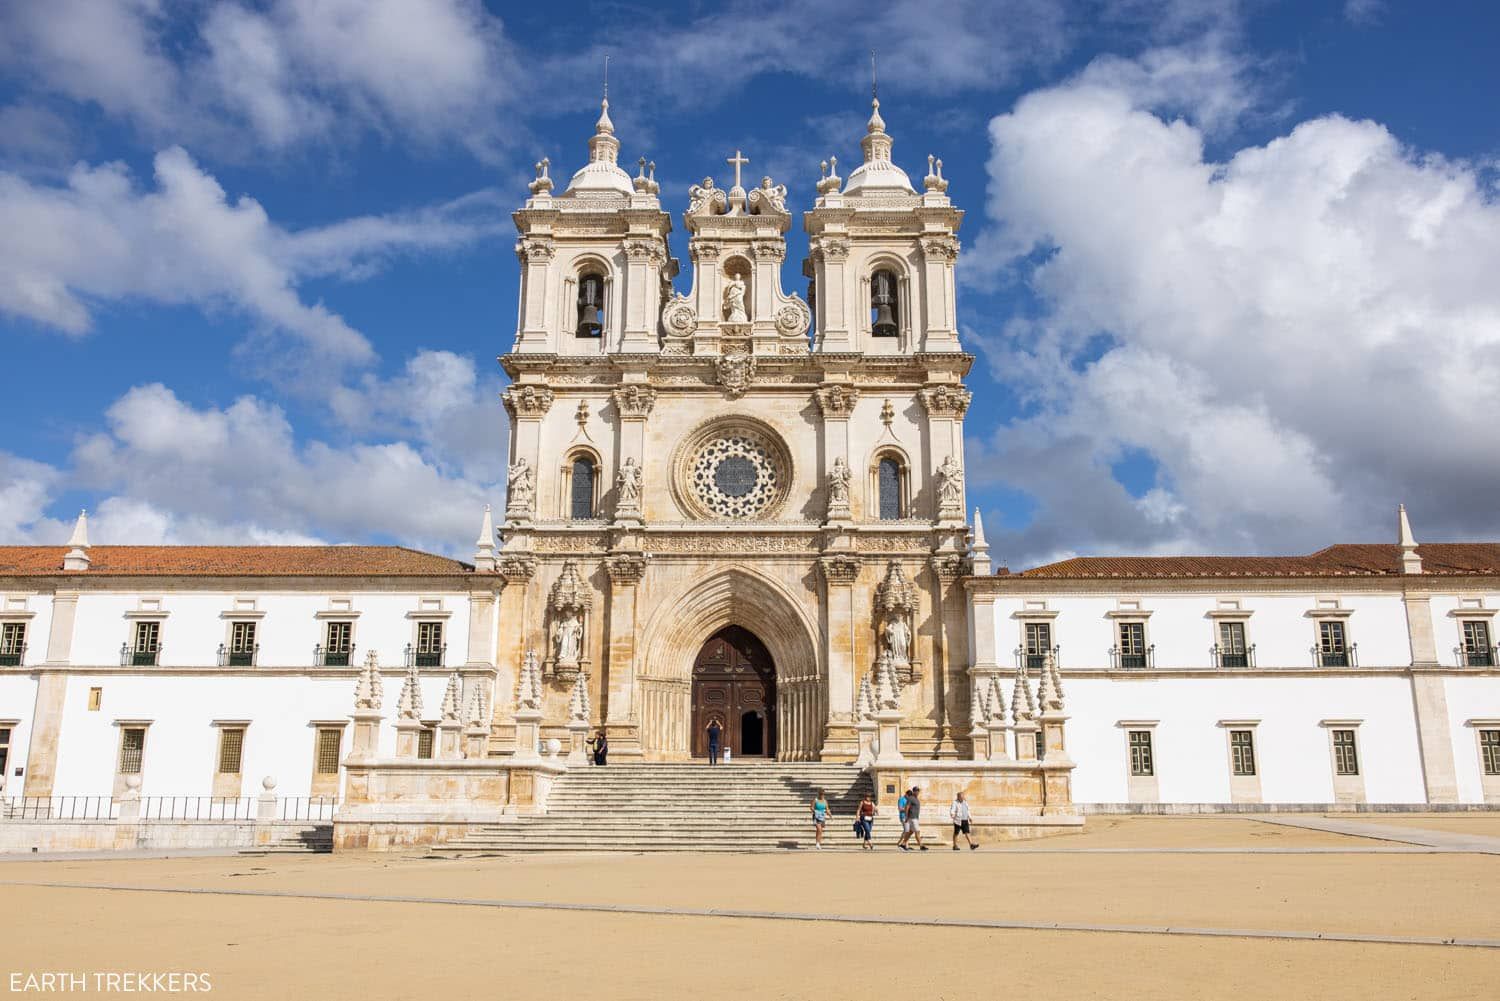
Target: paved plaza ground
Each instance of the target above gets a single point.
(1140, 897)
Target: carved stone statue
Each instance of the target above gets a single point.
(839, 478)
(705, 199)
(569, 639)
(951, 486)
(628, 483)
(520, 486)
(768, 198)
(897, 637)
(734, 300)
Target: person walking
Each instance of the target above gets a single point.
(601, 748)
(901, 805)
(864, 823)
(715, 732)
(911, 827)
(820, 813)
(959, 812)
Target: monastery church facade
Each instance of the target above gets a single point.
(731, 504)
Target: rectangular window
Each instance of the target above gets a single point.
(12, 643)
(1489, 751)
(1332, 651)
(339, 646)
(329, 740)
(1132, 644)
(132, 749)
(1232, 645)
(241, 644)
(1242, 751)
(96, 699)
(889, 489)
(231, 749)
(1477, 649)
(1141, 763)
(1038, 644)
(429, 644)
(424, 742)
(582, 488)
(147, 643)
(1345, 757)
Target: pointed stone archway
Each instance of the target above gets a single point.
(674, 636)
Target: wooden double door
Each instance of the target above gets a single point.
(734, 683)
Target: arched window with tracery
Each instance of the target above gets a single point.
(890, 487)
(885, 304)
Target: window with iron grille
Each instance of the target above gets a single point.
(582, 487)
(336, 650)
(1331, 648)
(147, 642)
(1242, 751)
(241, 644)
(429, 644)
(1477, 651)
(231, 749)
(1232, 645)
(329, 740)
(890, 489)
(1141, 763)
(12, 643)
(1132, 644)
(132, 748)
(1038, 644)
(424, 742)
(1489, 751)
(1345, 757)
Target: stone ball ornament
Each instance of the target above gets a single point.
(554, 747)
(732, 469)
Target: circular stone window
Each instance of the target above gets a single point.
(732, 469)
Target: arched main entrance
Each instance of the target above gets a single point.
(734, 682)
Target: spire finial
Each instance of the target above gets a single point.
(77, 556)
(1410, 561)
(874, 90)
(606, 76)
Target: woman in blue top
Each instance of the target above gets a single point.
(820, 819)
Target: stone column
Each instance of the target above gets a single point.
(946, 405)
(950, 681)
(479, 664)
(536, 263)
(528, 735)
(839, 575)
(622, 722)
(527, 404)
(1419, 629)
(888, 721)
(641, 294)
(940, 326)
(633, 405)
(516, 609)
(832, 253)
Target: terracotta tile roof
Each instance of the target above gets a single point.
(1375, 559)
(234, 561)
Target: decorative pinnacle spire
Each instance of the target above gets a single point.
(1410, 561)
(451, 697)
(980, 547)
(484, 546)
(77, 557)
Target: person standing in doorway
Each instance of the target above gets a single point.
(959, 812)
(820, 814)
(715, 734)
(864, 823)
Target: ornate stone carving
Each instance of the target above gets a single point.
(837, 401)
(535, 251)
(895, 611)
(736, 370)
(834, 248)
(628, 482)
(946, 401)
(543, 183)
(793, 317)
(941, 248)
(568, 605)
(626, 569)
(579, 708)
(887, 414)
(705, 199)
(635, 401)
(766, 250)
(734, 301)
(950, 489)
(679, 318)
(839, 478)
(518, 569)
(768, 199)
(725, 545)
(529, 683)
(891, 543)
(641, 250)
(529, 401)
(949, 567)
(705, 250)
(368, 688)
(452, 696)
(839, 569)
(409, 704)
(520, 495)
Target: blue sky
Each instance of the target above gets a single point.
(1228, 269)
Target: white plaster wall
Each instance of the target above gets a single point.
(17, 702)
(193, 630)
(1292, 749)
(1473, 697)
(37, 627)
(182, 743)
(1447, 633)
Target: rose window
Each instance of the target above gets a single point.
(735, 476)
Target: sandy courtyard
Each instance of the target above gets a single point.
(259, 929)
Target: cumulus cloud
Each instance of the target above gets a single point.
(97, 238)
(1298, 336)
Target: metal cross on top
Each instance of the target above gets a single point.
(737, 161)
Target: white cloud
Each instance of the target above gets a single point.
(96, 238)
(1299, 336)
(1364, 12)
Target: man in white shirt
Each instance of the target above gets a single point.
(959, 811)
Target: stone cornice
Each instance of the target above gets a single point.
(82, 583)
(1395, 584)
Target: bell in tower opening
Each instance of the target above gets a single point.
(590, 302)
(883, 304)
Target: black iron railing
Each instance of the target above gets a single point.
(135, 656)
(1222, 658)
(1467, 656)
(238, 658)
(323, 657)
(425, 658)
(1347, 657)
(12, 656)
(1133, 661)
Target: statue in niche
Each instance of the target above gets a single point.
(628, 483)
(569, 639)
(734, 300)
(838, 485)
(520, 486)
(897, 636)
(950, 484)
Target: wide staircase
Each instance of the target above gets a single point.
(687, 806)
